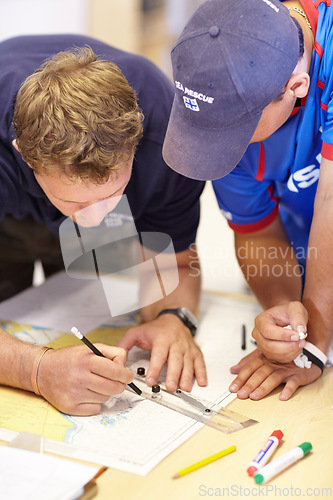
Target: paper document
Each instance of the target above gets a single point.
(26, 475)
(131, 433)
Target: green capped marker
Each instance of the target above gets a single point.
(282, 463)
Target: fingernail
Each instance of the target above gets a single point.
(151, 380)
(233, 388)
(302, 343)
(295, 337)
(254, 395)
(242, 393)
(172, 386)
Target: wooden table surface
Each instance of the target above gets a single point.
(308, 416)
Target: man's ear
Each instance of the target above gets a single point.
(17, 149)
(15, 145)
(299, 84)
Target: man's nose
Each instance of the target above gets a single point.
(92, 214)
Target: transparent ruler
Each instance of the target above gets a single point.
(203, 411)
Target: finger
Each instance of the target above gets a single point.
(116, 354)
(237, 368)
(271, 331)
(101, 388)
(86, 409)
(186, 379)
(175, 367)
(245, 373)
(280, 351)
(289, 389)
(129, 340)
(301, 377)
(254, 381)
(159, 355)
(272, 381)
(200, 371)
(298, 317)
(109, 370)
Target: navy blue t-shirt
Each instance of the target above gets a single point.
(160, 199)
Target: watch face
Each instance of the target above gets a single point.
(189, 315)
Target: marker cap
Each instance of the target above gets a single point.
(252, 470)
(306, 447)
(278, 434)
(258, 478)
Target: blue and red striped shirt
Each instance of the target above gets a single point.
(280, 174)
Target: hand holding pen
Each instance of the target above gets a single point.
(77, 382)
(96, 351)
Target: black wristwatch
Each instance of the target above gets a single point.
(185, 315)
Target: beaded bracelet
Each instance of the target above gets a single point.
(35, 369)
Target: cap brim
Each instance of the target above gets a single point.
(203, 154)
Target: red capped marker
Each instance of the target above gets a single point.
(265, 453)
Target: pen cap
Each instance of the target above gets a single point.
(278, 434)
(306, 447)
(252, 470)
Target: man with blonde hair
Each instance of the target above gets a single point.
(82, 124)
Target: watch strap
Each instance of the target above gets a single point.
(182, 316)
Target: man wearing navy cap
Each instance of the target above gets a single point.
(252, 112)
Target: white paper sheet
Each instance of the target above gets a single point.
(26, 475)
(59, 303)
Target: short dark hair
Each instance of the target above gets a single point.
(279, 97)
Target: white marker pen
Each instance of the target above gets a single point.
(265, 453)
(282, 463)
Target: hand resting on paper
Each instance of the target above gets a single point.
(257, 376)
(77, 382)
(169, 340)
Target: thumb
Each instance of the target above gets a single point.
(298, 317)
(128, 340)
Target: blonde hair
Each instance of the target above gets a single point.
(79, 115)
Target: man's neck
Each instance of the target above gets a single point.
(307, 32)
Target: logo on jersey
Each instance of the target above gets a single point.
(227, 215)
(191, 103)
(304, 178)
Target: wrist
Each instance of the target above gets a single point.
(35, 369)
(311, 354)
(184, 315)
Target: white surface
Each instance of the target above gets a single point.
(26, 475)
(215, 240)
(60, 303)
(35, 17)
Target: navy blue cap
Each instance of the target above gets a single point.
(231, 60)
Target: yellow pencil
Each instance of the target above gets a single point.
(206, 461)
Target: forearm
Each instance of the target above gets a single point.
(270, 268)
(318, 291)
(16, 361)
